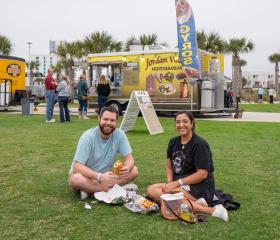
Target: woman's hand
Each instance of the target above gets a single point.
(168, 187)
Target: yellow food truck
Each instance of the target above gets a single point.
(160, 73)
(12, 79)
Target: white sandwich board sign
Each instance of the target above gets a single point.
(140, 101)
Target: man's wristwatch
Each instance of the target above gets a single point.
(181, 182)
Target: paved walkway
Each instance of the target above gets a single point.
(42, 110)
(250, 117)
(246, 117)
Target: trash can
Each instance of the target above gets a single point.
(27, 106)
(207, 95)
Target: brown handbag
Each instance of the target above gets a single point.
(170, 210)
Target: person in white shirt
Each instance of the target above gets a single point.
(271, 94)
(63, 99)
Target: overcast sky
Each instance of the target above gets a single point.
(39, 21)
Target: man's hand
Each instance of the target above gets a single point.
(125, 171)
(109, 179)
(168, 187)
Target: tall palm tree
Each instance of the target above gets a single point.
(33, 65)
(99, 42)
(242, 64)
(69, 53)
(235, 46)
(275, 58)
(60, 66)
(201, 38)
(211, 42)
(149, 39)
(144, 40)
(6, 45)
(129, 42)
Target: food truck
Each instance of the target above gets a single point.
(12, 79)
(160, 73)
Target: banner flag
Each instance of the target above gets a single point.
(187, 42)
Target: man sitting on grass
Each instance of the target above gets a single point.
(91, 169)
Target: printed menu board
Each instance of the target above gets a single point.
(140, 101)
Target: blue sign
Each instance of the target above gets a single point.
(187, 43)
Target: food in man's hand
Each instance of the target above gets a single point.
(117, 167)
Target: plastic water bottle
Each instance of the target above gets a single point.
(185, 212)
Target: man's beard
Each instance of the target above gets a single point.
(104, 132)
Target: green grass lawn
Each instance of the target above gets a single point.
(264, 107)
(36, 203)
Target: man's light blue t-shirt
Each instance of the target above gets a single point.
(99, 154)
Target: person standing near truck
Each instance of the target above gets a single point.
(63, 98)
(82, 96)
(261, 92)
(271, 94)
(50, 86)
(103, 90)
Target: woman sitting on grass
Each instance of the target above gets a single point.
(189, 169)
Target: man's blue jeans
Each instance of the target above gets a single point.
(50, 104)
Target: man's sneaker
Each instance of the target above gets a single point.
(202, 202)
(220, 212)
(50, 121)
(84, 195)
(130, 187)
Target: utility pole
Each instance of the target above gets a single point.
(29, 60)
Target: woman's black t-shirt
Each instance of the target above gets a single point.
(186, 159)
(103, 90)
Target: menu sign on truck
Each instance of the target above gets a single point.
(140, 101)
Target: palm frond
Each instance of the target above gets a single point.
(6, 45)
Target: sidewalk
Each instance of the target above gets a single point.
(42, 110)
(250, 117)
(246, 116)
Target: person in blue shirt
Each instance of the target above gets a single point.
(261, 92)
(91, 169)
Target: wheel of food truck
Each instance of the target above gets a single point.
(117, 106)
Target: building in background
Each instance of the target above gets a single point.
(53, 44)
(44, 61)
(257, 79)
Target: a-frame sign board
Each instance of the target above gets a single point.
(140, 101)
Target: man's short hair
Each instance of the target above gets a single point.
(109, 109)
